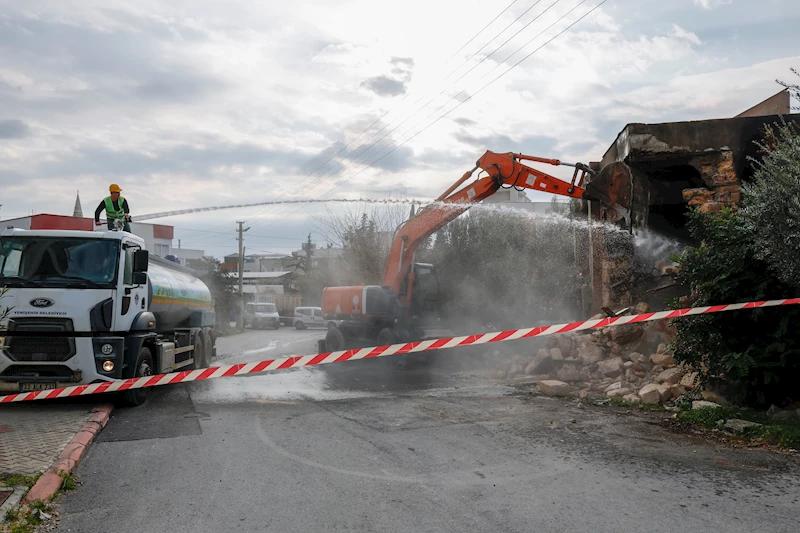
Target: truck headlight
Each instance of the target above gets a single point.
(108, 366)
(107, 349)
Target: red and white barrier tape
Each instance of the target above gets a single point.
(375, 351)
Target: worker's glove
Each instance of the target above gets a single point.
(128, 218)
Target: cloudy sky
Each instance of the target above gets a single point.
(197, 103)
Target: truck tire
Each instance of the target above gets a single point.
(201, 359)
(334, 340)
(386, 337)
(143, 367)
(299, 325)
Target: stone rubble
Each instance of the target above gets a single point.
(632, 362)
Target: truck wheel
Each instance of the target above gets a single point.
(200, 353)
(385, 337)
(299, 325)
(143, 367)
(334, 340)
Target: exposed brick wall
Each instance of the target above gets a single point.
(723, 187)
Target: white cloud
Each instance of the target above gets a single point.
(712, 4)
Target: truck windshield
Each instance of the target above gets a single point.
(57, 262)
(266, 308)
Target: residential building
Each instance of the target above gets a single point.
(157, 237)
(187, 255)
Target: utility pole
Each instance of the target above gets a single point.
(240, 319)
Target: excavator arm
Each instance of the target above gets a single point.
(503, 170)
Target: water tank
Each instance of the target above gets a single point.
(175, 294)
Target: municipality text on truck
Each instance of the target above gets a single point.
(90, 306)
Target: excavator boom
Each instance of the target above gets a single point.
(503, 170)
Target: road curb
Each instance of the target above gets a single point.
(50, 482)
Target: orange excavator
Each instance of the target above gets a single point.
(405, 307)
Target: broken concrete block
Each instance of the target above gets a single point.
(737, 425)
(670, 376)
(553, 387)
(661, 348)
(569, 373)
(786, 416)
(632, 398)
(556, 354)
(626, 333)
(565, 345)
(665, 389)
(618, 392)
(614, 386)
(703, 404)
(712, 396)
(610, 367)
(523, 380)
(677, 390)
(515, 369)
(591, 355)
(637, 357)
(660, 359)
(650, 394)
(690, 380)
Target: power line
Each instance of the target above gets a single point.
(567, 28)
(373, 145)
(489, 24)
(310, 175)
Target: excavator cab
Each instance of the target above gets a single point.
(425, 293)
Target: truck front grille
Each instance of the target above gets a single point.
(41, 372)
(45, 349)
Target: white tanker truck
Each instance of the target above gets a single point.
(90, 306)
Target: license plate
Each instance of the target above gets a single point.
(31, 387)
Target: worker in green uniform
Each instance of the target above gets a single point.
(116, 208)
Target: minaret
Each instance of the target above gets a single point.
(78, 212)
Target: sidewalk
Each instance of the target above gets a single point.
(32, 436)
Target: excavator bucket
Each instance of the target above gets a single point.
(613, 187)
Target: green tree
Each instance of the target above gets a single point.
(507, 269)
(771, 202)
(221, 284)
(752, 355)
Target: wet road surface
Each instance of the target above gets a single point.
(362, 446)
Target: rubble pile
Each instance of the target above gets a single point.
(630, 361)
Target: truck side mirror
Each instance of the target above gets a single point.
(141, 259)
(139, 278)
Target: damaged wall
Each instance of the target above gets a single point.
(675, 166)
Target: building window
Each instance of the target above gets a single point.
(161, 250)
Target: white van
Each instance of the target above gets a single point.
(261, 315)
(310, 317)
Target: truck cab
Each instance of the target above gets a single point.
(81, 310)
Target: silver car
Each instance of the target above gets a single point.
(310, 317)
(261, 315)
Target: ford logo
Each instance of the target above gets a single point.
(42, 302)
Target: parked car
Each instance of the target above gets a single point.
(258, 315)
(310, 317)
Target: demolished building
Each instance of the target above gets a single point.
(675, 166)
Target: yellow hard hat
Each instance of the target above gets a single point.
(114, 188)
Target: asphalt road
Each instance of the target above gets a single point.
(362, 446)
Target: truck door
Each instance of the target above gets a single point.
(133, 297)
